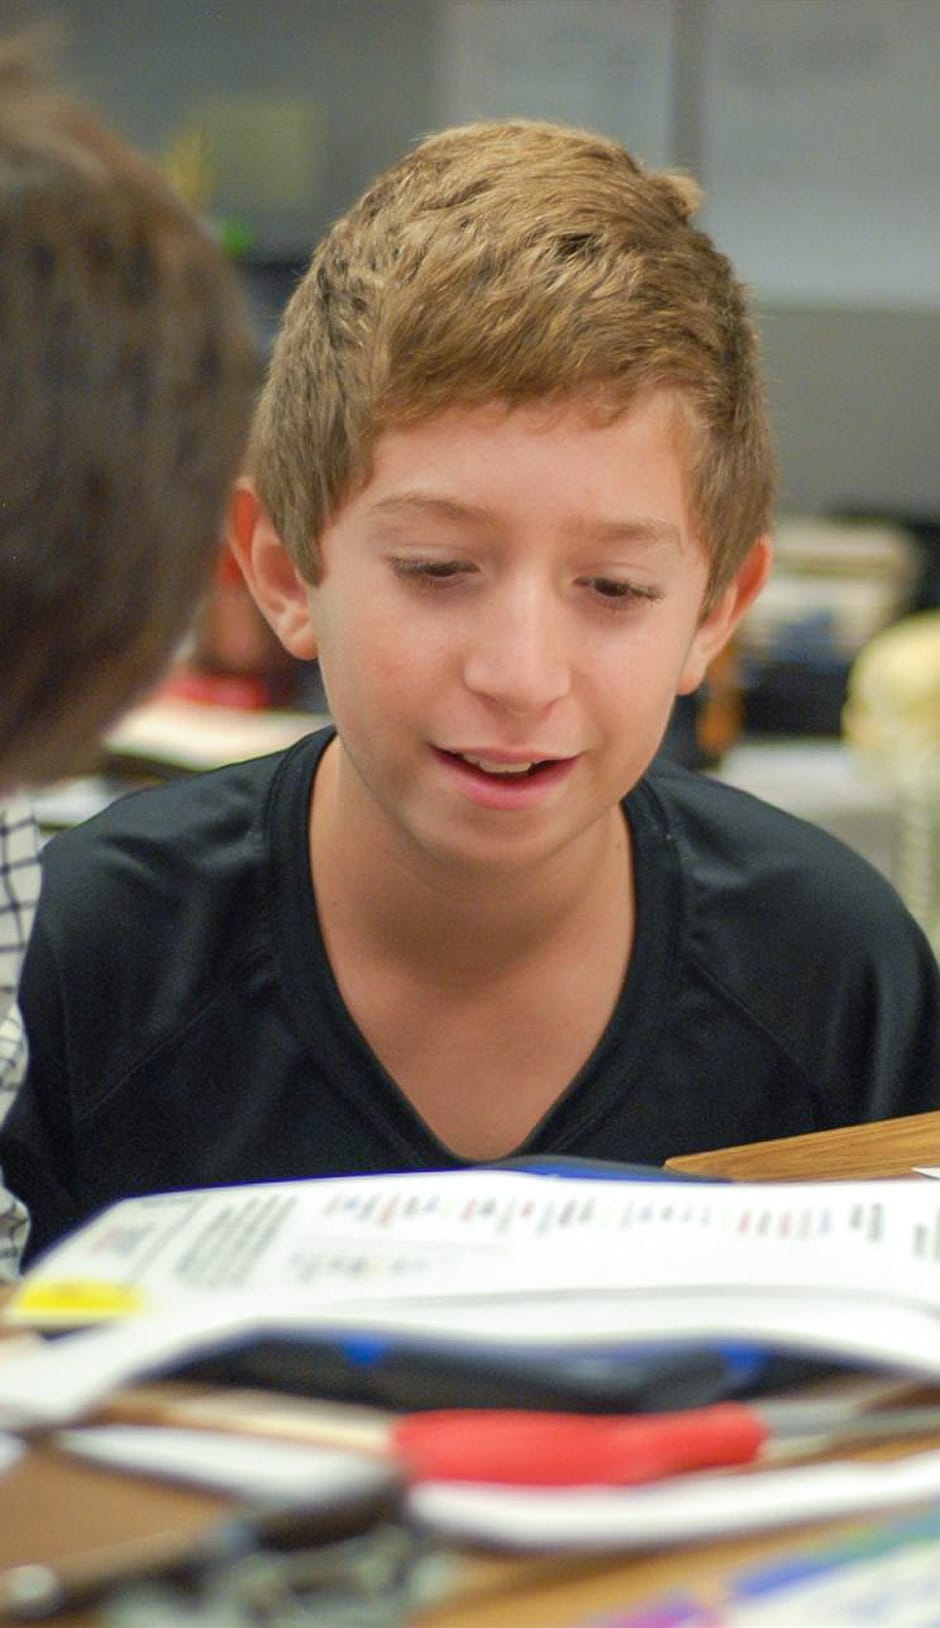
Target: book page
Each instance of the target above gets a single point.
(359, 1239)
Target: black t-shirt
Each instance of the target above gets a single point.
(186, 1030)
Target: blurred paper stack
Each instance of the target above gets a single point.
(835, 584)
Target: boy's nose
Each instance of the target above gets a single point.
(517, 655)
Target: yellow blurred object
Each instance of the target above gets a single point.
(190, 168)
(892, 720)
(267, 151)
(893, 702)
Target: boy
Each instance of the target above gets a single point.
(510, 480)
(127, 365)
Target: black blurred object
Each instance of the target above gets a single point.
(798, 686)
(681, 743)
(410, 1376)
(794, 697)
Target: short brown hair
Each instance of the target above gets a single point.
(127, 367)
(514, 261)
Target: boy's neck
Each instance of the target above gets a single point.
(390, 899)
(520, 972)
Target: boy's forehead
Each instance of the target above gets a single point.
(414, 465)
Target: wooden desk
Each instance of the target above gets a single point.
(51, 1507)
(889, 1147)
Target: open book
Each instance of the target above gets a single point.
(487, 1260)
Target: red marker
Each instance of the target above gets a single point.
(571, 1449)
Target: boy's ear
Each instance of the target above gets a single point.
(278, 589)
(718, 624)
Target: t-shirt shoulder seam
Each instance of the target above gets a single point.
(85, 1113)
(755, 1021)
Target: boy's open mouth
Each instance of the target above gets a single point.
(524, 770)
(489, 767)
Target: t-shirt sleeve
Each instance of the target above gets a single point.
(806, 943)
(885, 1046)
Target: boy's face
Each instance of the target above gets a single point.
(505, 615)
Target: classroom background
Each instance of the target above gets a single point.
(814, 127)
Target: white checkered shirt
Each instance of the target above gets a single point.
(19, 891)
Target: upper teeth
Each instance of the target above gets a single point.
(497, 768)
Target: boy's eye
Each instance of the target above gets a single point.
(616, 592)
(429, 571)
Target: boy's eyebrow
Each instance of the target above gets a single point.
(641, 529)
(408, 504)
(638, 529)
